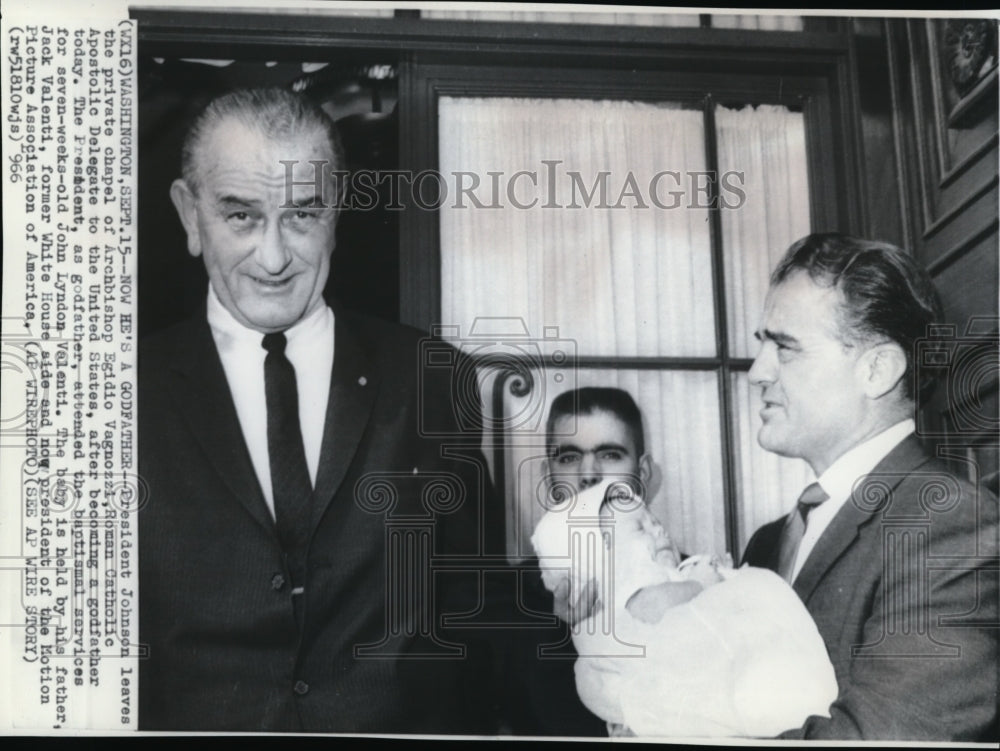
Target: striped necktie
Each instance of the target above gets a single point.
(795, 528)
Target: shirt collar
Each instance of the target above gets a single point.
(839, 478)
(231, 333)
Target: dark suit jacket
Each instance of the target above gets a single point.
(216, 613)
(903, 588)
(541, 682)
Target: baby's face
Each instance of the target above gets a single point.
(635, 525)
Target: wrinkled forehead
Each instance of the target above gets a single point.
(302, 159)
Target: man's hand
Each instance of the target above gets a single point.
(572, 609)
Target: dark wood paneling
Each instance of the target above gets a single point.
(938, 164)
(172, 32)
(881, 202)
(957, 154)
(968, 286)
(955, 229)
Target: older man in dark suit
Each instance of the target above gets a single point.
(300, 488)
(894, 556)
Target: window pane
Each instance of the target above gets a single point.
(767, 485)
(633, 280)
(681, 419)
(767, 146)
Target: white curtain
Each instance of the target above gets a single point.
(630, 281)
(767, 145)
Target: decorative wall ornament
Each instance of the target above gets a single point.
(970, 47)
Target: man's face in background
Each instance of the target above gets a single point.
(592, 447)
(267, 264)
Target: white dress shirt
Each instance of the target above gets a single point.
(839, 479)
(310, 350)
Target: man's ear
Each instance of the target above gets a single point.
(647, 477)
(185, 203)
(881, 369)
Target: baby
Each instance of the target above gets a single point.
(681, 649)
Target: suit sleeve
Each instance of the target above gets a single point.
(928, 665)
(762, 549)
(467, 532)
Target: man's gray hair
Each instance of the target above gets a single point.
(274, 112)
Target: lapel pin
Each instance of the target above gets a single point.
(363, 381)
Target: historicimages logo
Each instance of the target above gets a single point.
(546, 185)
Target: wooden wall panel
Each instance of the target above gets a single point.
(937, 165)
(882, 203)
(965, 285)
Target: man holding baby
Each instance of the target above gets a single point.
(892, 555)
(663, 634)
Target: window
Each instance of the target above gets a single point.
(577, 237)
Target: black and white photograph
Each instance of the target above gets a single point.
(501, 371)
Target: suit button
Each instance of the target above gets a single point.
(301, 688)
(277, 581)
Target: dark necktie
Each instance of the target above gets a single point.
(290, 483)
(795, 528)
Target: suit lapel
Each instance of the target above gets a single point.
(353, 386)
(861, 507)
(837, 538)
(200, 390)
